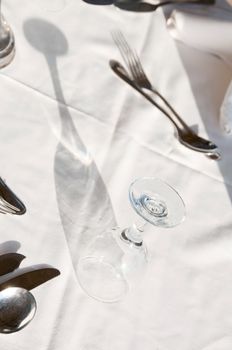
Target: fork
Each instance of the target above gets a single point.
(186, 135)
(135, 67)
(9, 202)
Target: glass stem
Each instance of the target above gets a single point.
(142, 226)
(133, 235)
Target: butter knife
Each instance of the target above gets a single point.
(31, 279)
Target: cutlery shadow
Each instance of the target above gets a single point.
(9, 247)
(84, 204)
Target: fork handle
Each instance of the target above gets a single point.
(172, 110)
(121, 72)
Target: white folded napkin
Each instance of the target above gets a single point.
(226, 112)
(208, 29)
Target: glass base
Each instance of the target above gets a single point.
(7, 45)
(157, 202)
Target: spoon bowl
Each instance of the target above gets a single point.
(17, 309)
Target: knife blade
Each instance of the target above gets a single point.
(10, 262)
(31, 279)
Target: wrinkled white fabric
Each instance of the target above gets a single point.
(209, 30)
(226, 111)
(73, 137)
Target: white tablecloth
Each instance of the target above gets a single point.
(73, 138)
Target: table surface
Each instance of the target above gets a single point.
(73, 138)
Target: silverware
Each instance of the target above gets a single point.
(9, 202)
(138, 74)
(17, 304)
(153, 5)
(10, 262)
(185, 133)
(31, 279)
(188, 139)
(17, 309)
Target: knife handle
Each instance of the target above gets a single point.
(31, 279)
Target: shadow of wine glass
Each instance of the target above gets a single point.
(84, 204)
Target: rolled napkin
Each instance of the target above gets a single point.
(209, 30)
(226, 112)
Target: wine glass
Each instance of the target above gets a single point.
(113, 260)
(7, 42)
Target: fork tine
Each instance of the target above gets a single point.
(130, 57)
(120, 46)
(140, 67)
(125, 51)
(7, 207)
(4, 210)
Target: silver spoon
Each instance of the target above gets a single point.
(148, 6)
(17, 309)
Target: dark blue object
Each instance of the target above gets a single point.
(100, 2)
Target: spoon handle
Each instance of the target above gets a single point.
(121, 72)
